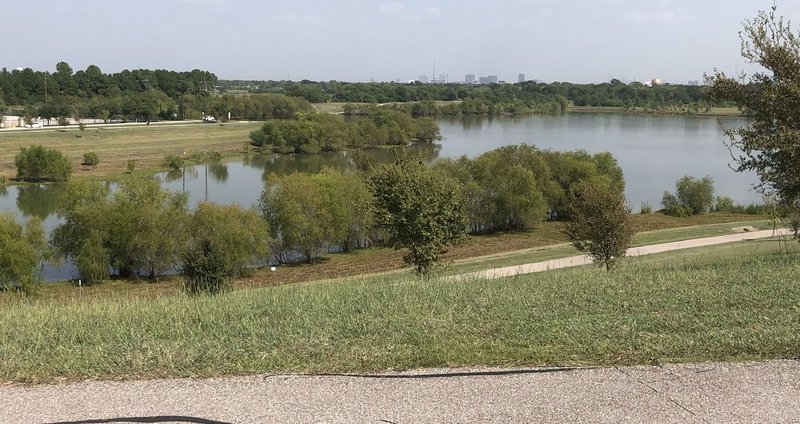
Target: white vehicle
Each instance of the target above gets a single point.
(34, 125)
(209, 119)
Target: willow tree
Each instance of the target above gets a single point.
(22, 252)
(770, 145)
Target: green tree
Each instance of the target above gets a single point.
(427, 130)
(236, 237)
(350, 203)
(82, 235)
(770, 145)
(422, 210)
(600, 222)
(37, 163)
(22, 251)
(298, 217)
(692, 196)
(147, 228)
(140, 230)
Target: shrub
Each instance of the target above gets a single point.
(36, 163)
(646, 208)
(724, 204)
(204, 269)
(692, 197)
(90, 159)
(259, 138)
(131, 166)
(173, 161)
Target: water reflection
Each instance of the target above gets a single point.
(219, 171)
(39, 200)
(287, 164)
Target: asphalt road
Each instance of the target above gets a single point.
(765, 392)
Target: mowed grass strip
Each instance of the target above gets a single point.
(737, 303)
(115, 145)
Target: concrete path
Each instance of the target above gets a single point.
(634, 251)
(765, 392)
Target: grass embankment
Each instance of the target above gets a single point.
(116, 144)
(739, 302)
(477, 253)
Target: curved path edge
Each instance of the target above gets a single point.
(580, 260)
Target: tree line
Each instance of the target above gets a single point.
(530, 96)
(313, 133)
(133, 95)
(139, 230)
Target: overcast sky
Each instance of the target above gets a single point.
(359, 40)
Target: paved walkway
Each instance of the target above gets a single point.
(765, 392)
(634, 251)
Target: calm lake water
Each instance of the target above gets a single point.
(653, 151)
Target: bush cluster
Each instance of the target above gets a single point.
(143, 231)
(692, 196)
(37, 163)
(515, 187)
(324, 133)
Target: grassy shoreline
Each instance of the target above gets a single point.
(478, 253)
(736, 303)
(115, 145)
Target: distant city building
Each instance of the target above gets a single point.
(492, 79)
(440, 79)
(694, 82)
(521, 78)
(424, 79)
(470, 79)
(487, 79)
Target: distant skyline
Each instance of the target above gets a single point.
(582, 41)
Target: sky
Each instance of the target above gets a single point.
(581, 41)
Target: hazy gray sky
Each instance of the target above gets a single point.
(357, 40)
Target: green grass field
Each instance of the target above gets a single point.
(115, 145)
(739, 302)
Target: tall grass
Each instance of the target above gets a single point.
(730, 304)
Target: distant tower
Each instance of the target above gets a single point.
(521, 78)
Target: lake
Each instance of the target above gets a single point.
(653, 151)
